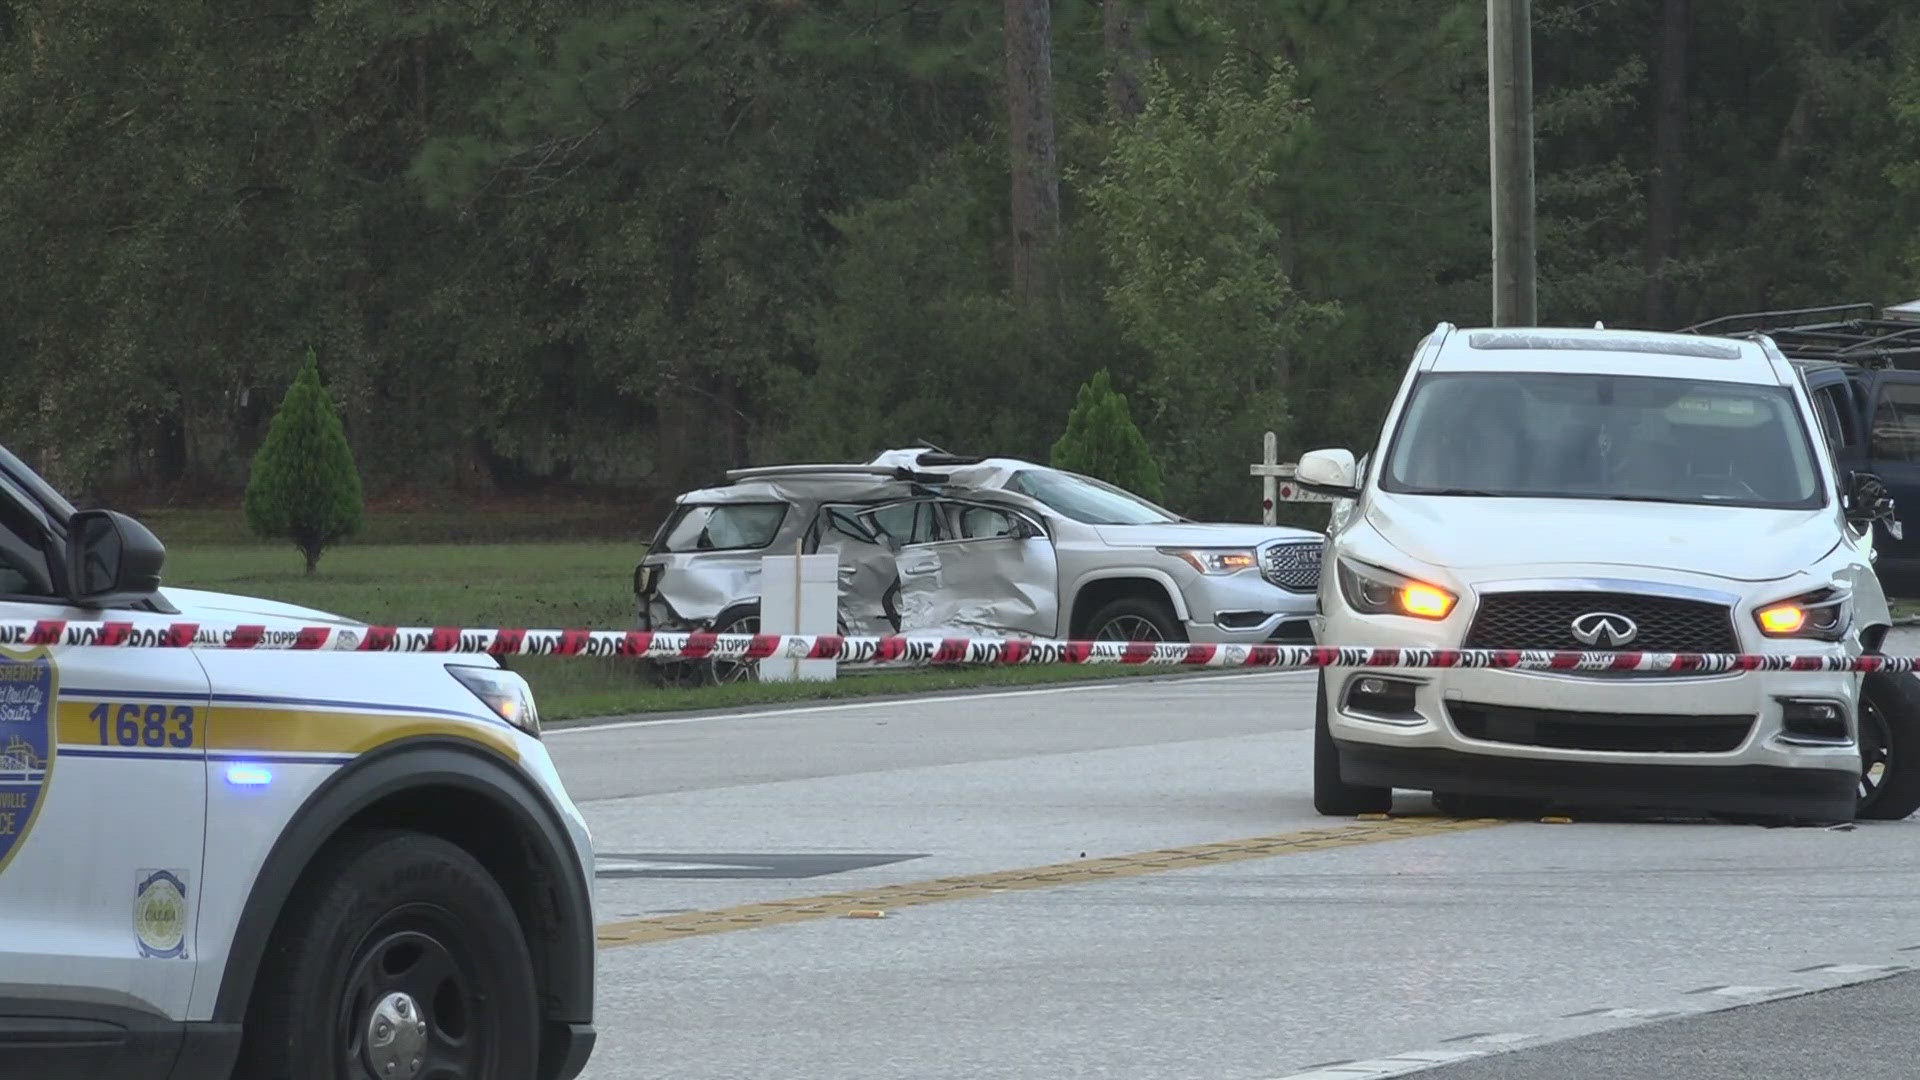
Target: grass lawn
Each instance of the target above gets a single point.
(515, 584)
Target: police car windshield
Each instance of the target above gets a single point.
(1588, 436)
(1086, 500)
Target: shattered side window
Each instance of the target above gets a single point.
(727, 527)
(909, 523)
(843, 522)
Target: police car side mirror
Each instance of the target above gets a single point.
(111, 558)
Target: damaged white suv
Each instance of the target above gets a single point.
(931, 542)
(1606, 490)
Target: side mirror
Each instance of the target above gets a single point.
(1868, 501)
(111, 558)
(1329, 472)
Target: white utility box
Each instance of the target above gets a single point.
(799, 594)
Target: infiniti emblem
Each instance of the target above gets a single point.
(1604, 628)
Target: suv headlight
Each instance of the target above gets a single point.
(1373, 591)
(1825, 615)
(504, 692)
(1215, 560)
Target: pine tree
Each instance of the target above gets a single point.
(304, 486)
(1101, 440)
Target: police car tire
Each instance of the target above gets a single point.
(356, 893)
(1332, 796)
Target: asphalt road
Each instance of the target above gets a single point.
(1544, 950)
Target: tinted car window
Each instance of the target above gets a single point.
(1829, 413)
(1896, 422)
(23, 566)
(729, 527)
(909, 523)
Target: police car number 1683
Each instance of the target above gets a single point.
(276, 865)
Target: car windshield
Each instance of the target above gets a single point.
(1584, 436)
(1087, 500)
(729, 526)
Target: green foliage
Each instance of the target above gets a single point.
(560, 243)
(304, 487)
(1101, 440)
(1192, 223)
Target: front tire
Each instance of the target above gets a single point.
(1332, 796)
(1136, 619)
(1889, 747)
(400, 949)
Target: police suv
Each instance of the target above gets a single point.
(268, 865)
(1597, 490)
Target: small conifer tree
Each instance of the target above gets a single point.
(304, 487)
(1101, 441)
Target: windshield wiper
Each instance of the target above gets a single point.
(1464, 491)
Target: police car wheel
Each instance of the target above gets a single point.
(403, 961)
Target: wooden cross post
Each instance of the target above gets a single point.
(1269, 471)
(1276, 483)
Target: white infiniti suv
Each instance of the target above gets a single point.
(1606, 490)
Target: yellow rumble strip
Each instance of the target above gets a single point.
(1079, 872)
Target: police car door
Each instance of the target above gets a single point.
(102, 805)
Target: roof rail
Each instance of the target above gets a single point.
(1859, 333)
(834, 472)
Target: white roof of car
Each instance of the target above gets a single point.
(1621, 352)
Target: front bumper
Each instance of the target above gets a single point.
(1751, 763)
(1246, 609)
(1823, 794)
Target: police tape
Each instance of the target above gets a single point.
(908, 649)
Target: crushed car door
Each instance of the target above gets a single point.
(977, 568)
(868, 575)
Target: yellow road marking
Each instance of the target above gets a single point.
(1080, 871)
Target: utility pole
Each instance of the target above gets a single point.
(1510, 138)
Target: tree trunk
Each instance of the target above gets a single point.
(311, 549)
(1036, 180)
(1126, 39)
(1667, 186)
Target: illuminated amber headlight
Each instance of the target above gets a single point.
(1822, 616)
(1214, 560)
(1373, 591)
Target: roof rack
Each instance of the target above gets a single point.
(834, 472)
(1862, 334)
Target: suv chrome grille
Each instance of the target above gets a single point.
(1294, 567)
(1544, 620)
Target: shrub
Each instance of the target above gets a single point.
(1101, 441)
(304, 487)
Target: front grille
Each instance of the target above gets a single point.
(1642, 732)
(1544, 620)
(1293, 567)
